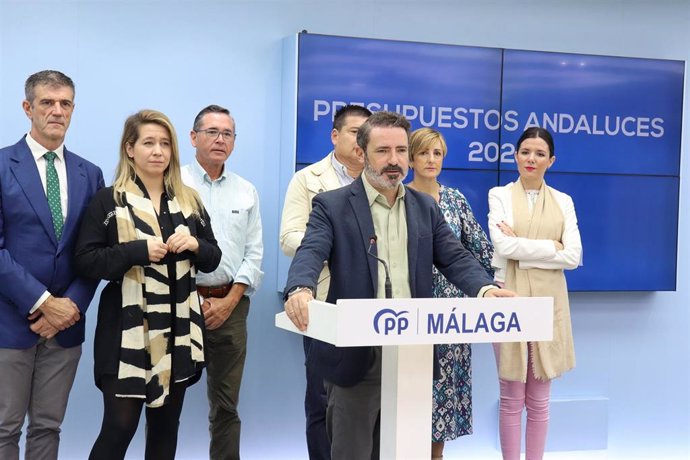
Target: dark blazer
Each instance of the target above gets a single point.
(339, 230)
(32, 260)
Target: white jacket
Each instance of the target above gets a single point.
(532, 253)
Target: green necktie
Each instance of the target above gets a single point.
(53, 193)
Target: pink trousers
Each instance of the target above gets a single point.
(534, 395)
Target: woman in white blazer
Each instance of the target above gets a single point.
(534, 231)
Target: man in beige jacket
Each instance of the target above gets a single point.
(339, 168)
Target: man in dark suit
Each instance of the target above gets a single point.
(44, 189)
(410, 234)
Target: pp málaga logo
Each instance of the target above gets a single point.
(393, 322)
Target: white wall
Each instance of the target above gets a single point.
(178, 56)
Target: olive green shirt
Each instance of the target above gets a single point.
(390, 225)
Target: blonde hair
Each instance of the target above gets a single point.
(422, 139)
(187, 197)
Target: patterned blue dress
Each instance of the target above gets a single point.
(452, 404)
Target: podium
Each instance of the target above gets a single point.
(407, 329)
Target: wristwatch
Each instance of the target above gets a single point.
(297, 289)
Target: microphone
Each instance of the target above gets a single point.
(387, 284)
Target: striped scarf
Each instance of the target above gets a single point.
(149, 359)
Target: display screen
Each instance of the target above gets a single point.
(616, 124)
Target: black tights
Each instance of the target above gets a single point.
(121, 418)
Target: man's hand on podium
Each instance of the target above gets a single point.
(297, 310)
(499, 293)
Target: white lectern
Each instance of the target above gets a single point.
(407, 330)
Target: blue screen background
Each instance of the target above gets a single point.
(625, 187)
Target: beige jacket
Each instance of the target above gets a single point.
(304, 186)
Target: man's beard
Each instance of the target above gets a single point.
(380, 178)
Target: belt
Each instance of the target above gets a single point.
(214, 291)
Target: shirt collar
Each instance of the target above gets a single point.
(199, 171)
(372, 193)
(37, 150)
(341, 171)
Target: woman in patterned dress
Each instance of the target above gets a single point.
(452, 402)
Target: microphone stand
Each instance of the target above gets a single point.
(387, 284)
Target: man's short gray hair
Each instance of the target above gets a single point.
(52, 78)
(212, 109)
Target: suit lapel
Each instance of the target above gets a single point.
(412, 216)
(329, 180)
(25, 171)
(325, 175)
(360, 208)
(329, 177)
(76, 185)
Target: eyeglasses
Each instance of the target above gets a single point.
(213, 133)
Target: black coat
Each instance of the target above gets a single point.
(100, 255)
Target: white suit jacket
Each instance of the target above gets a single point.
(532, 253)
